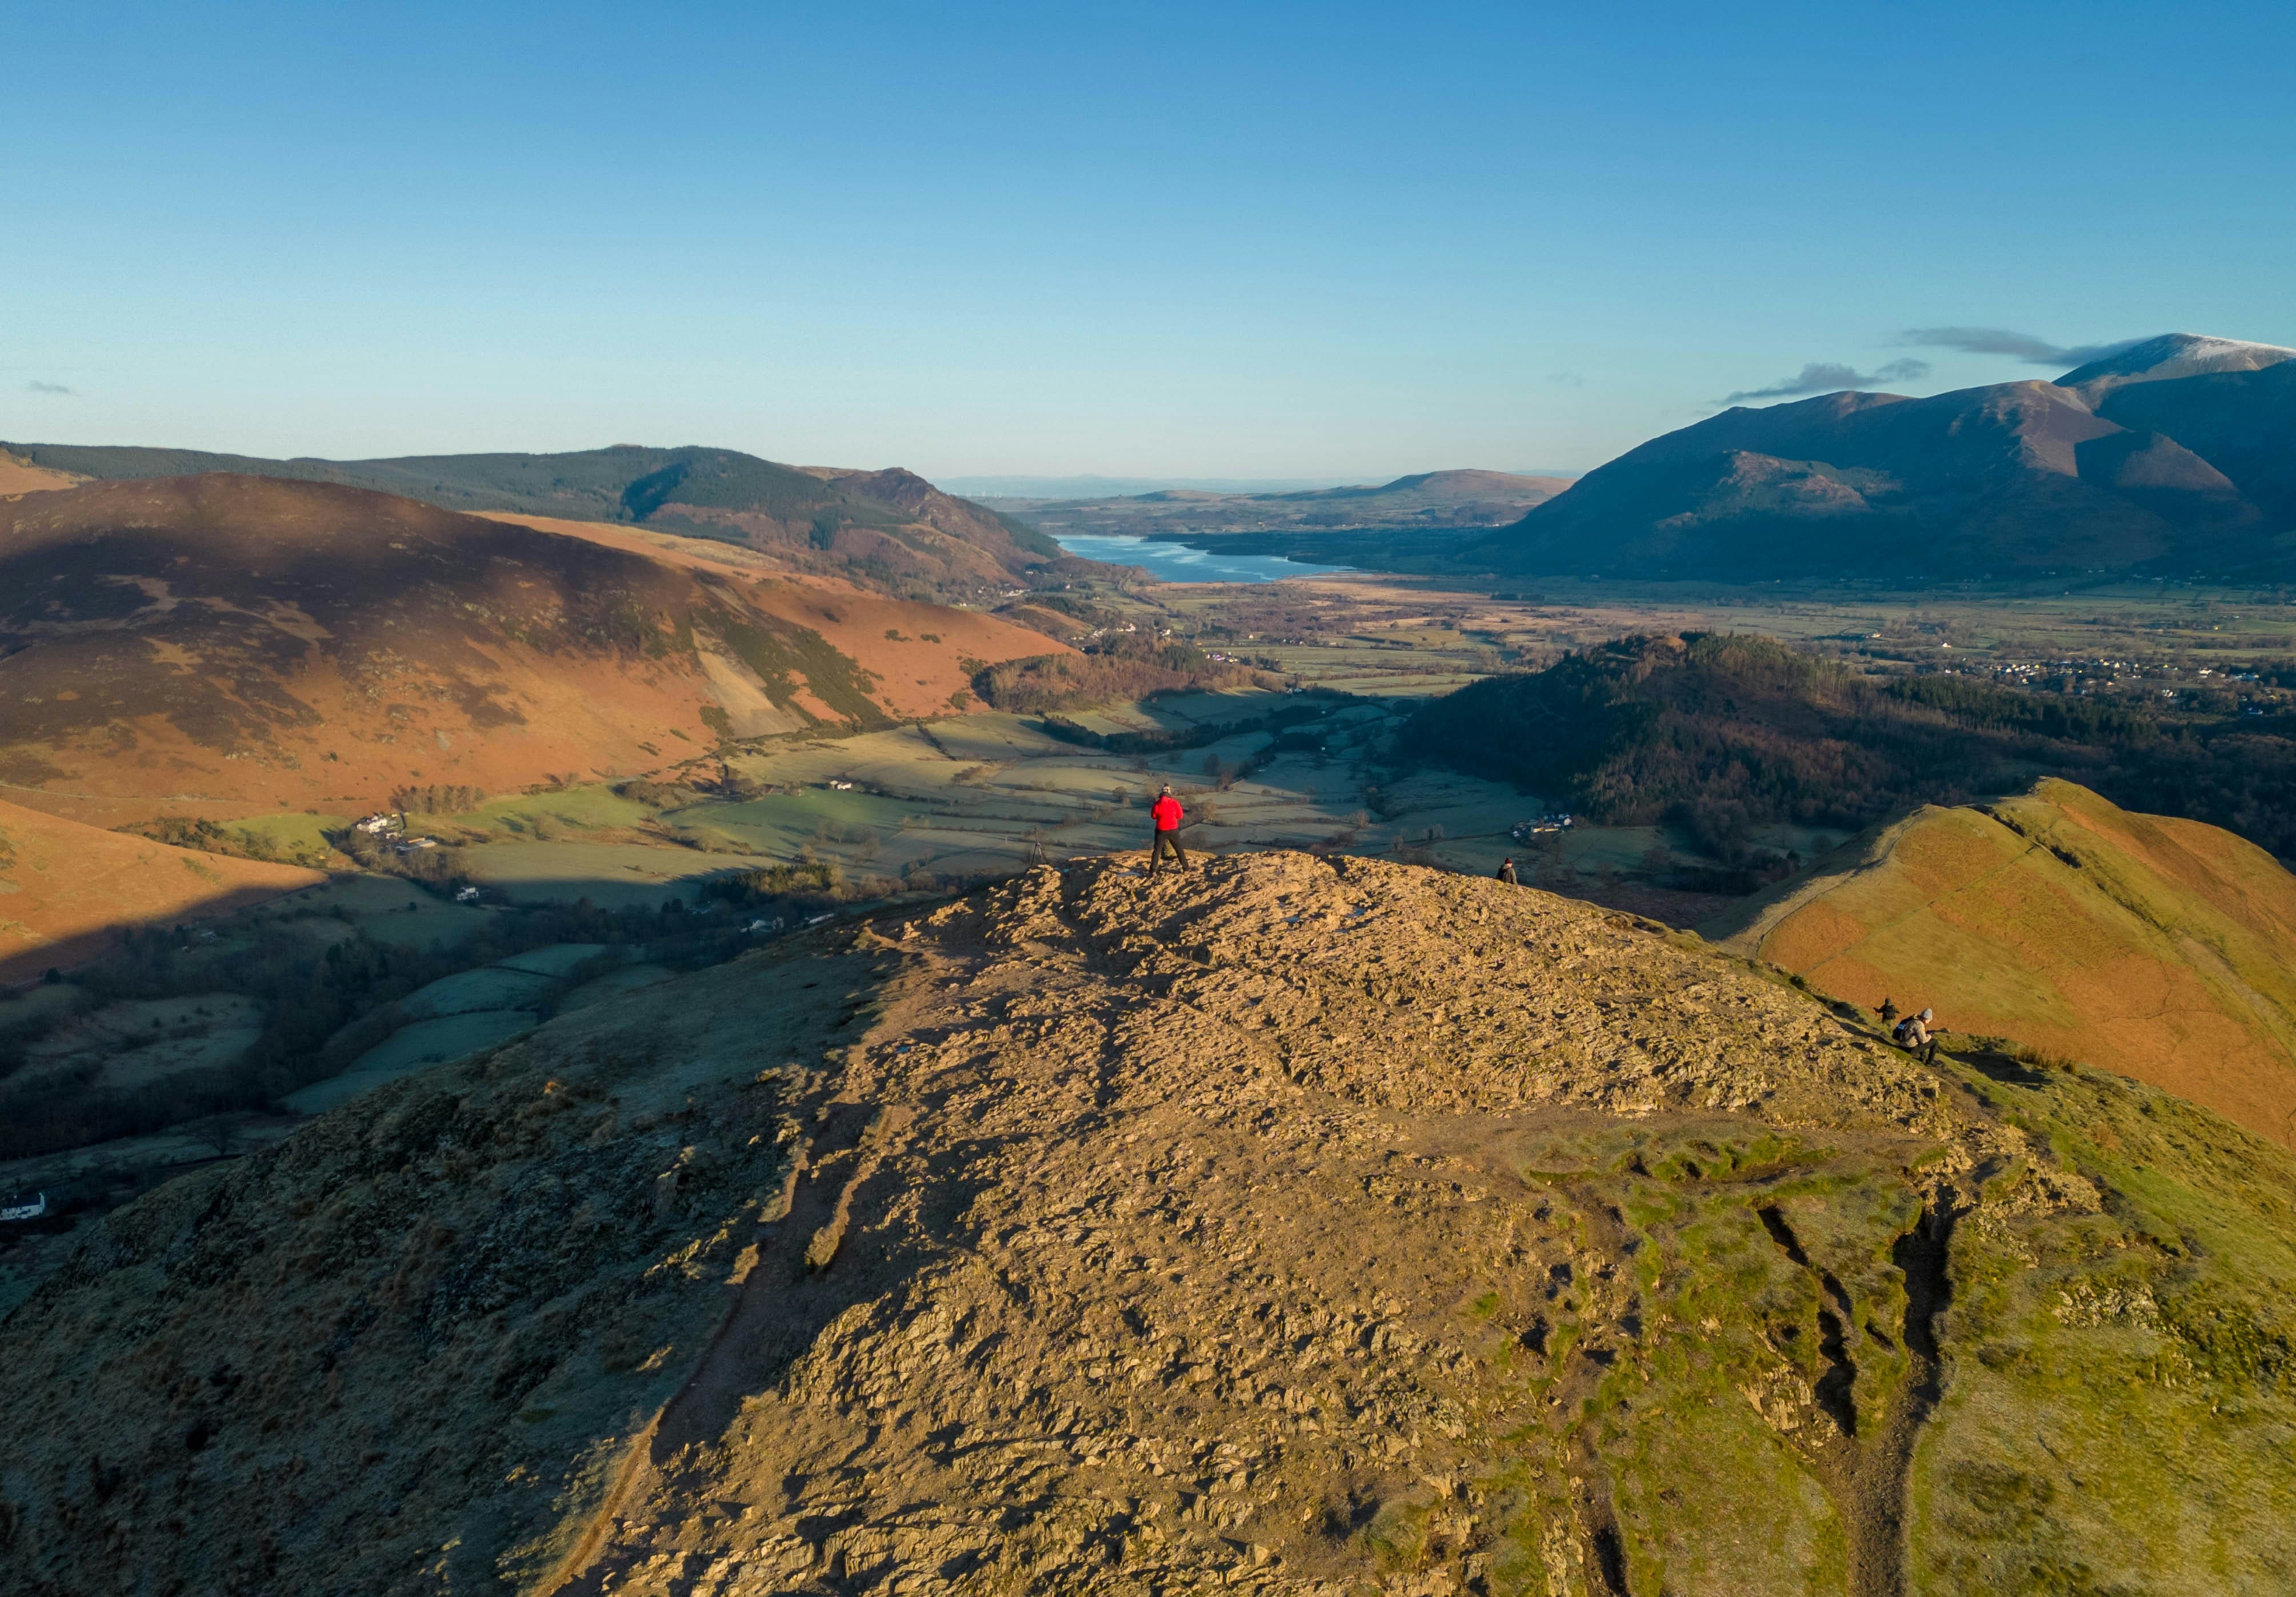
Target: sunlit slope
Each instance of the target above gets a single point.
(230, 645)
(921, 655)
(2161, 948)
(1297, 1226)
(20, 476)
(65, 887)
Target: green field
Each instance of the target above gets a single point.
(410, 1049)
(988, 793)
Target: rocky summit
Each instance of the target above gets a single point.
(1292, 1225)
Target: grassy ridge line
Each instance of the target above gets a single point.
(2159, 949)
(585, 485)
(1747, 922)
(67, 889)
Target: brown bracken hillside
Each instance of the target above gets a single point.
(66, 889)
(229, 645)
(1294, 1226)
(2161, 948)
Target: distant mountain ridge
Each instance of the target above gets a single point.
(1442, 499)
(891, 525)
(2176, 456)
(2172, 355)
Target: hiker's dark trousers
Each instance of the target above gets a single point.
(1166, 842)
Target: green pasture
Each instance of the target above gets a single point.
(385, 908)
(410, 1049)
(980, 794)
(612, 875)
(296, 834)
(542, 815)
(558, 962)
(473, 992)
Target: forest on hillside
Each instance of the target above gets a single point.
(1123, 667)
(1716, 734)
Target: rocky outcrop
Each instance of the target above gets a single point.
(1294, 1225)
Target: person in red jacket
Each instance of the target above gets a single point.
(1166, 813)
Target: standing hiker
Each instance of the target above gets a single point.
(1507, 872)
(1166, 813)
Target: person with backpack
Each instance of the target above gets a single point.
(1916, 1036)
(1166, 813)
(1507, 872)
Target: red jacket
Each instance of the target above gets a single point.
(1167, 813)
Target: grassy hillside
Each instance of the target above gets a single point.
(2160, 948)
(228, 645)
(1714, 733)
(1299, 1226)
(67, 889)
(19, 476)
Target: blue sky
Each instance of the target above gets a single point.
(1227, 240)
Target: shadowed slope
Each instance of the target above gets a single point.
(2161, 948)
(2244, 422)
(1295, 1226)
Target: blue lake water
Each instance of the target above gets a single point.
(1178, 562)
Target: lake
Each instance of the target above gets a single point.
(1178, 562)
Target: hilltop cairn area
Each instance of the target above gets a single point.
(1292, 1225)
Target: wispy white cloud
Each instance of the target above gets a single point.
(1826, 377)
(2017, 346)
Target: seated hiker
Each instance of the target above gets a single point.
(1166, 813)
(1917, 1035)
(1507, 872)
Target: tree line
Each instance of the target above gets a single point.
(444, 798)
